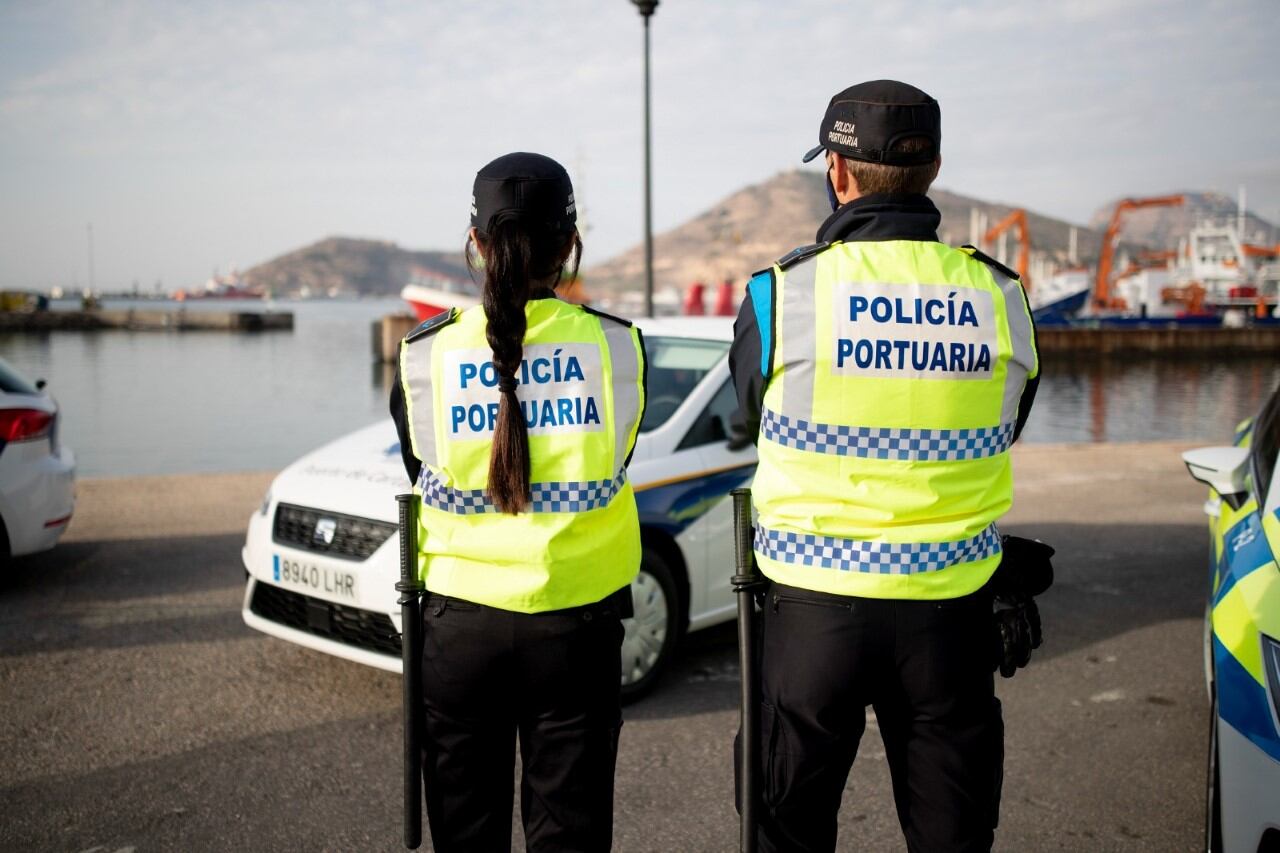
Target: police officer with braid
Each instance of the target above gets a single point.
(884, 376)
(517, 419)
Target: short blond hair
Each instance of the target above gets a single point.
(880, 178)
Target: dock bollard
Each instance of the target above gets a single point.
(388, 331)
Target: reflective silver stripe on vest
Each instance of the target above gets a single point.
(626, 385)
(878, 558)
(798, 346)
(922, 445)
(415, 380)
(1023, 357)
(571, 496)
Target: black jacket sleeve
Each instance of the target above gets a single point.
(1024, 404)
(412, 465)
(748, 380)
(1029, 390)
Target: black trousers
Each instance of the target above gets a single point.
(553, 678)
(926, 669)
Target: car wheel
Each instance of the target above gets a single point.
(650, 636)
(1213, 796)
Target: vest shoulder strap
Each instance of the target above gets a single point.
(432, 325)
(979, 255)
(598, 313)
(795, 256)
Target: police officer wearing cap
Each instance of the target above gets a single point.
(517, 419)
(884, 376)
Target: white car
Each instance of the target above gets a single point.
(323, 558)
(1242, 634)
(37, 474)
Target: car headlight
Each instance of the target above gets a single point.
(266, 503)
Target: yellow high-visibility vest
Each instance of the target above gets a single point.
(581, 392)
(897, 369)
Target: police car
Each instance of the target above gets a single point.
(322, 553)
(37, 471)
(1242, 634)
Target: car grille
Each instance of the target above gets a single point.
(353, 538)
(363, 629)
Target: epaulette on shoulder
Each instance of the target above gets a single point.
(979, 255)
(795, 256)
(597, 312)
(431, 325)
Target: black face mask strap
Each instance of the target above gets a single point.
(831, 193)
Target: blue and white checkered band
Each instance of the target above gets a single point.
(882, 558)
(573, 496)
(923, 445)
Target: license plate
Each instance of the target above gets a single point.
(331, 583)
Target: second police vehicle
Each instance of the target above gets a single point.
(1242, 635)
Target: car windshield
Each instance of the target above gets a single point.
(1265, 448)
(676, 366)
(12, 383)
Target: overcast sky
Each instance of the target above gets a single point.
(196, 136)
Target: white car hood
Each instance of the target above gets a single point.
(359, 474)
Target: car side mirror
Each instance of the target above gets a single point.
(1222, 469)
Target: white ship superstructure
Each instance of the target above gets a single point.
(1213, 271)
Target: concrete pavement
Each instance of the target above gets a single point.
(137, 711)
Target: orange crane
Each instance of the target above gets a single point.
(1102, 297)
(1018, 217)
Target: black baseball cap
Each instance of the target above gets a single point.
(864, 121)
(530, 188)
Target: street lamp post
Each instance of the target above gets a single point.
(646, 8)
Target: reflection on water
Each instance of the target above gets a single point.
(156, 402)
(1119, 399)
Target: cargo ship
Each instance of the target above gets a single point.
(1212, 276)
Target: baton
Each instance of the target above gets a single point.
(411, 589)
(745, 582)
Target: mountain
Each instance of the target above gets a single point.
(350, 266)
(742, 233)
(1163, 227)
(754, 226)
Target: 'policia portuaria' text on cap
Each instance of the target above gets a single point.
(865, 121)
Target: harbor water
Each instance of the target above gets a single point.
(165, 402)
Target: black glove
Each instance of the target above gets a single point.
(738, 439)
(1025, 571)
(1017, 627)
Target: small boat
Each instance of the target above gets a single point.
(429, 293)
(230, 286)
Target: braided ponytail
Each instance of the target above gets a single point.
(515, 261)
